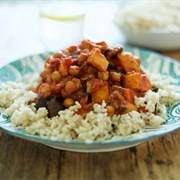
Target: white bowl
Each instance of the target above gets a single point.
(153, 25)
(153, 40)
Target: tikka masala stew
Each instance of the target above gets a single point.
(91, 73)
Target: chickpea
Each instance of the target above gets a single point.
(58, 54)
(70, 87)
(77, 82)
(82, 58)
(56, 76)
(68, 102)
(74, 70)
(45, 90)
(72, 49)
(57, 89)
(115, 76)
(103, 75)
(110, 110)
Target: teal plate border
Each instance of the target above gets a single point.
(150, 60)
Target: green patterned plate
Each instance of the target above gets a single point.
(150, 60)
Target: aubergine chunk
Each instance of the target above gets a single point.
(53, 105)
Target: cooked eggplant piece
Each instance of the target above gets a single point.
(53, 105)
(40, 102)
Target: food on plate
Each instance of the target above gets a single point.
(88, 92)
(150, 16)
(91, 73)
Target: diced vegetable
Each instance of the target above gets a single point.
(101, 94)
(89, 45)
(93, 85)
(82, 58)
(128, 107)
(98, 60)
(65, 63)
(53, 105)
(128, 94)
(137, 81)
(103, 75)
(128, 62)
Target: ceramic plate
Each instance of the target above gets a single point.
(152, 61)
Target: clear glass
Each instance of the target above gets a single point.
(62, 25)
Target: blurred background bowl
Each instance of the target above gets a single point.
(152, 40)
(150, 24)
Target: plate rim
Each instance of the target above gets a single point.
(120, 142)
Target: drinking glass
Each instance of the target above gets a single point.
(62, 24)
